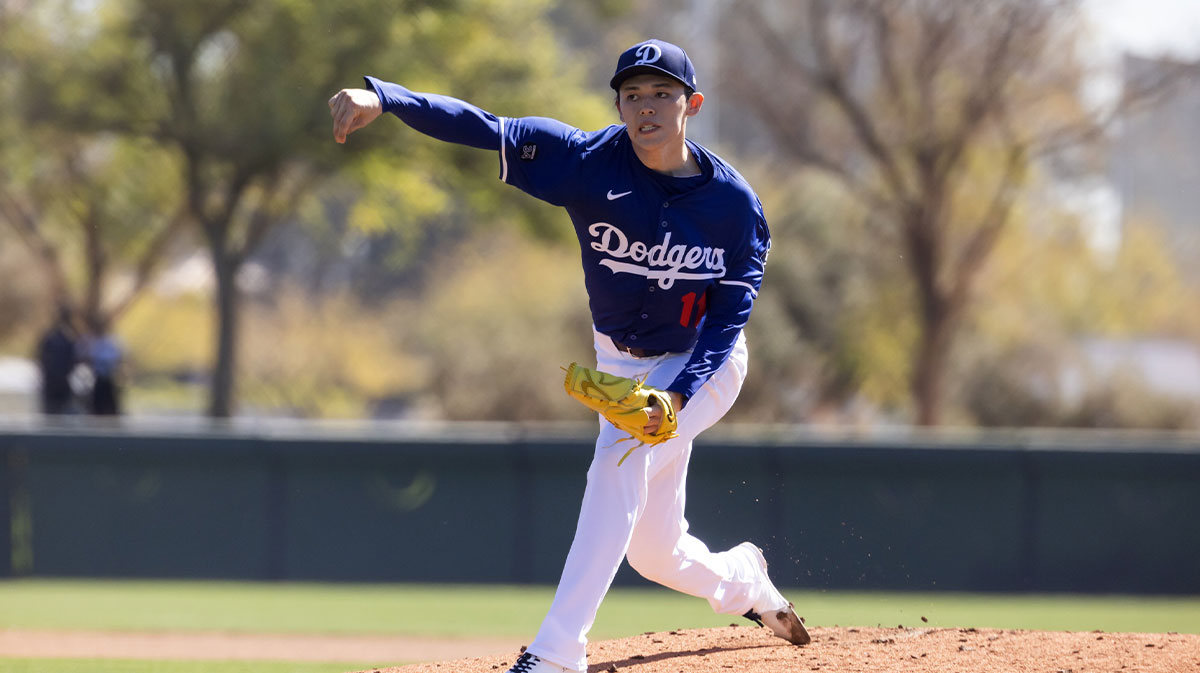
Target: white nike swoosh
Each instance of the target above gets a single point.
(614, 197)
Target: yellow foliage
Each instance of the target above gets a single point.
(327, 357)
(397, 192)
(503, 317)
(1143, 291)
(1048, 279)
(169, 334)
(322, 357)
(879, 340)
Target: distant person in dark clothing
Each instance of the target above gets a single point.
(57, 357)
(103, 355)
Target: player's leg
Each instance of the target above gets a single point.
(660, 547)
(662, 550)
(612, 501)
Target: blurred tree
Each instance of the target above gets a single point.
(1144, 289)
(22, 301)
(352, 359)
(1015, 345)
(932, 114)
(504, 56)
(240, 95)
(95, 210)
(822, 326)
(1047, 292)
(284, 58)
(91, 214)
(517, 324)
(237, 90)
(1125, 400)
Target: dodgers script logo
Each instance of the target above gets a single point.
(664, 262)
(647, 53)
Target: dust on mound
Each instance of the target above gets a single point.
(877, 650)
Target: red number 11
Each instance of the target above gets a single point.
(689, 302)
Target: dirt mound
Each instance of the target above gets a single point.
(874, 650)
(734, 648)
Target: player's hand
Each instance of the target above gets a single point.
(656, 413)
(353, 109)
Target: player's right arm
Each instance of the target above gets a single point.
(537, 154)
(441, 117)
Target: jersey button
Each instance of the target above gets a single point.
(645, 315)
(664, 223)
(633, 337)
(651, 289)
(666, 204)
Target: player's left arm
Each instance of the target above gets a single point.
(730, 310)
(730, 302)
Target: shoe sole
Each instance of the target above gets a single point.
(785, 623)
(788, 625)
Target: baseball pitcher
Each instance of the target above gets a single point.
(674, 243)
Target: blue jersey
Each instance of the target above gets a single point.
(670, 264)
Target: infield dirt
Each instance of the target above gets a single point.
(744, 649)
(877, 650)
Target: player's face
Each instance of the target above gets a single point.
(654, 109)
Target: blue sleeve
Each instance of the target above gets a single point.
(537, 155)
(730, 301)
(542, 157)
(440, 117)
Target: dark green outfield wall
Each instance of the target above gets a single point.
(944, 515)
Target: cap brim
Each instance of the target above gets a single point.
(642, 69)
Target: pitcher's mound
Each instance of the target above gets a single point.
(876, 650)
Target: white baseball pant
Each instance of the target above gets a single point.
(635, 511)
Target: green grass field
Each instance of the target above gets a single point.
(503, 611)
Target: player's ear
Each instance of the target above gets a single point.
(693, 103)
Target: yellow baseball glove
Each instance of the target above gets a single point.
(624, 402)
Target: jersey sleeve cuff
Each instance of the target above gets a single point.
(388, 93)
(685, 388)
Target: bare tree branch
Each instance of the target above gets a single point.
(1139, 93)
(887, 59)
(983, 238)
(149, 261)
(23, 221)
(831, 78)
(940, 100)
(264, 213)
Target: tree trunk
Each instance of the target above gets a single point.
(929, 371)
(924, 245)
(221, 400)
(96, 263)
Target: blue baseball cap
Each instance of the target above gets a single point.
(658, 57)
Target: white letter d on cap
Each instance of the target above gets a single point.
(648, 53)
